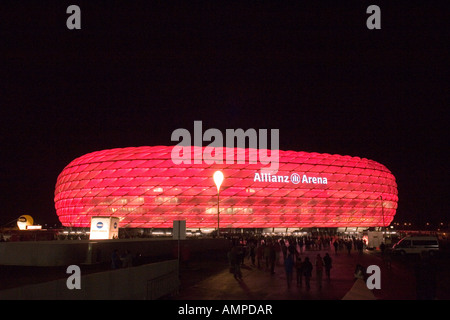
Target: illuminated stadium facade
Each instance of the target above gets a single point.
(145, 188)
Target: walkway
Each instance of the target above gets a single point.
(211, 280)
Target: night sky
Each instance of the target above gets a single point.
(137, 70)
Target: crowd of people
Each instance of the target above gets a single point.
(124, 260)
(267, 252)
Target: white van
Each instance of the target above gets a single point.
(417, 245)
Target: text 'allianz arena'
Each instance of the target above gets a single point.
(145, 188)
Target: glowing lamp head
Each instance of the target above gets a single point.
(218, 179)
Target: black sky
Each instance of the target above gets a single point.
(137, 70)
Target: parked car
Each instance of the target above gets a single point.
(417, 245)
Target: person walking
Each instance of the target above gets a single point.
(235, 263)
(336, 246)
(300, 244)
(382, 248)
(360, 246)
(319, 269)
(266, 254)
(327, 261)
(348, 245)
(289, 268)
(115, 260)
(272, 258)
(283, 248)
(259, 254)
(307, 271)
(299, 269)
(252, 253)
(127, 259)
(360, 272)
(277, 252)
(292, 248)
(241, 254)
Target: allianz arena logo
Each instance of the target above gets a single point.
(294, 178)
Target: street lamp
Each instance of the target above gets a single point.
(382, 214)
(218, 179)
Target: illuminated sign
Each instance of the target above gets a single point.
(104, 228)
(34, 227)
(295, 178)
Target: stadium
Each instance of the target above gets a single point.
(145, 188)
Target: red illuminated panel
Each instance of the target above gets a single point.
(145, 189)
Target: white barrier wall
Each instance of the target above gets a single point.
(146, 282)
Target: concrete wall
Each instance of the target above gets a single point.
(42, 253)
(67, 252)
(146, 282)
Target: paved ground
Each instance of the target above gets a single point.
(208, 278)
(211, 280)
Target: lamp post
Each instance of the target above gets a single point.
(218, 179)
(382, 215)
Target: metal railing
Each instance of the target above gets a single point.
(163, 285)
